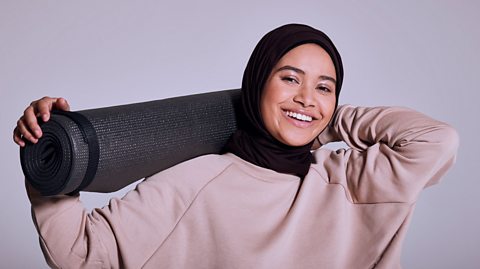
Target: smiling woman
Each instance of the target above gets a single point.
(267, 202)
(299, 99)
(265, 98)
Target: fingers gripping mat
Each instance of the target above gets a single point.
(105, 149)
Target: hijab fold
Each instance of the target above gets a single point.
(252, 142)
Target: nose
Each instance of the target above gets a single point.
(304, 96)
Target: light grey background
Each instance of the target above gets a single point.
(420, 54)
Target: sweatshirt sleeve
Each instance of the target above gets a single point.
(66, 233)
(394, 152)
(124, 234)
(128, 231)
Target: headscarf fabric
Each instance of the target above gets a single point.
(252, 141)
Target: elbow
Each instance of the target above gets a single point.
(69, 258)
(449, 142)
(445, 154)
(58, 258)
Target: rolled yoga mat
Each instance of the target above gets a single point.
(105, 149)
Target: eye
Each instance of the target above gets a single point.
(290, 80)
(324, 89)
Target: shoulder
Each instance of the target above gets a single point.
(195, 172)
(203, 166)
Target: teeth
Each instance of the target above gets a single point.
(299, 116)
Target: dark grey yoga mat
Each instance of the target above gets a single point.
(105, 149)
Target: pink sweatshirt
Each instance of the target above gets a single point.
(219, 211)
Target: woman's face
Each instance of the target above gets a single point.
(298, 99)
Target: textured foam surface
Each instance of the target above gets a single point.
(135, 141)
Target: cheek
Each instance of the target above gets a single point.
(328, 106)
(271, 97)
(268, 111)
(264, 101)
(266, 106)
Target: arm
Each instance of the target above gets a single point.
(394, 152)
(66, 233)
(121, 234)
(124, 234)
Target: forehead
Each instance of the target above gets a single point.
(311, 57)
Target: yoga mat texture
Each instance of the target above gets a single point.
(105, 149)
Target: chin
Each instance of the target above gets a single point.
(296, 142)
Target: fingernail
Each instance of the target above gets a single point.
(38, 133)
(45, 117)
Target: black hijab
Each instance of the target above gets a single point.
(252, 142)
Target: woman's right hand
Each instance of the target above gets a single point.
(27, 126)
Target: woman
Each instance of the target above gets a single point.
(267, 202)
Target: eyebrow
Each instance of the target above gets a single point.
(298, 70)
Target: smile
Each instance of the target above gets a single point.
(299, 116)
